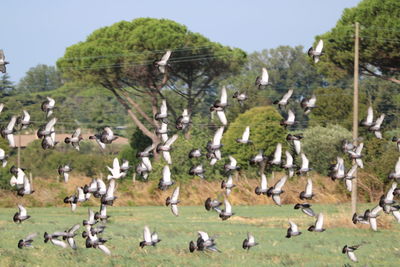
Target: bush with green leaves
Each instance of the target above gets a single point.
(323, 144)
(265, 133)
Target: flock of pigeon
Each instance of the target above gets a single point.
(106, 194)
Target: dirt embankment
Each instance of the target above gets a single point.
(49, 192)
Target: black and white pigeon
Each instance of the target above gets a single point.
(166, 148)
(397, 141)
(147, 152)
(27, 241)
(150, 239)
(195, 153)
(53, 238)
(163, 114)
(101, 188)
(204, 242)
(308, 104)
(8, 131)
(349, 251)
(97, 138)
(93, 241)
(263, 188)
(318, 226)
(369, 120)
(277, 158)
(350, 175)
(70, 234)
(3, 158)
(124, 167)
(305, 208)
(72, 200)
(64, 170)
(183, 121)
(220, 105)
(47, 129)
(21, 215)
(317, 52)
(290, 120)
(387, 200)
(225, 213)
(308, 193)
(295, 138)
(166, 181)
(228, 185)
(371, 216)
(347, 146)
(232, 165)
(197, 170)
(74, 139)
(396, 173)
(27, 189)
(357, 156)
(91, 220)
(18, 177)
(240, 96)
(173, 201)
(115, 171)
(142, 170)
(259, 158)
(289, 164)
(102, 215)
(376, 127)
(48, 106)
(163, 63)
(81, 196)
(263, 79)
(1, 107)
(107, 136)
(285, 99)
(3, 62)
(91, 188)
(25, 120)
(276, 190)
(245, 137)
(249, 242)
(304, 165)
(293, 230)
(162, 131)
(337, 171)
(215, 146)
(109, 197)
(212, 204)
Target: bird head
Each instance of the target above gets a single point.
(192, 246)
(16, 218)
(167, 201)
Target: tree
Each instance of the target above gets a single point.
(120, 58)
(6, 86)
(39, 79)
(379, 46)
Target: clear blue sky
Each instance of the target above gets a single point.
(37, 32)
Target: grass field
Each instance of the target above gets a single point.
(267, 223)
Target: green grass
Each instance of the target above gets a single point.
(267, 223)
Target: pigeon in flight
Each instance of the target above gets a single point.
(317, 52)
(109, 197)
(27, 189)
(225, 213)
(296, 141)
(285, 99)
(48, 106)
(166, 148)
(396, 173)
(211, 204)
(25, 120)
(290, 120)
(195, 153)
(249, 242)
(369, 120)
(74, 139)
(64, 171)
(91, 220)
(173, 201)
(21, 215)
(197, 170)
(163, 114)
(70, 234)
(220, 105)
(241, 97)
(163, 63)
(259, 158)
(305, 208)
(349, 251)
(317, 227)
(204, 242)
(228, 185)
(276, 190)
(183, 121)
(53, 238)
(397, 141)
(308, 104)
(102, 215)
(263, 79)
(264, 186)
(293, 230)
(115, 171)
(149, 239)
(304, 165)
(166, 181)
(27, 241)
(277, 159)
(245, 137)
(3, 62)
(376, 127)
(107, 136)
(307, 194)
(8, 131)
(3, 158)
(232, 165)
(356, 155)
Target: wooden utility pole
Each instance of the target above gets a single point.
(355, 113)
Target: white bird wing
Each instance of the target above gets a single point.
(166, 174)
(351, 172)
(50, 124)
(175, 195)
(110, 189)
(376, 210)
(77, 133)
(91, 214)
(22, 210)
(174, 209)
(27, 185)
(146, 234)
(228, 206)
(66, 176)
(1, 104)
(309, 186)
(280, 183)
(27, 117)
(291, 116)
(166, 56)
(224, 96)
(349, 185)
(52, 102)
(164, 108)
(373, 224)
(289, 158)
(293, 226)
(389, 194)
(312, 101)
(370, 116)
(2, 153)
(13, 181)
(167, 157)
(101, 185)
(396, 214)
(149, 148)
(352, 256)
(286, 97)
(319, 47)
(229, 183)
(304, 161)
(233, 161)
(203, 235)
(103, 210)
(104, 249)
(81, 194)
(297, 146)
(58, 243)
(11, 124)
(222, 117)
(278, 152)
(277, 199)
(359, 148)
(171, 140)
(146, 161)
(250, 238)
(379, 121)
(185, 113)
(246, 134)
(71, 242)
(264, 184)
(218, 136)
(116, 166)
(10, 139)
(265, 75)
(320, 221)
